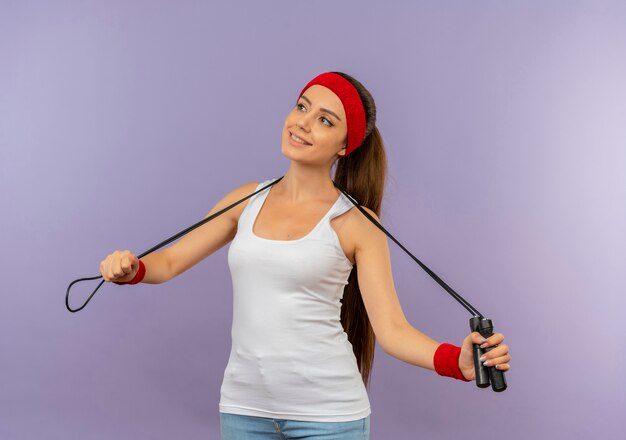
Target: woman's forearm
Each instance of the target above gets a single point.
(412, 346)
(158, 268)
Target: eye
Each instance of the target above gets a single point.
(330, 124)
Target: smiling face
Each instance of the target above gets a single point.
(318, 119)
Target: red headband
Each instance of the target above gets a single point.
(352, 105)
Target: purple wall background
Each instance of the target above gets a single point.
(122, 123)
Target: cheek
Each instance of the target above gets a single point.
(338, 137)
(288, 121)
(292, 115)
(329, 140)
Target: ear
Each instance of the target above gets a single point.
(342, 152)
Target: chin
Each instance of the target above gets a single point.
(286, 149)
(289, 153)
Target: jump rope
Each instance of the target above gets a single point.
(356, 128)
(478, 323)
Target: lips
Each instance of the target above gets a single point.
(296, 136)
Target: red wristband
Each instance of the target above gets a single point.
(138, 276)
(446, 361)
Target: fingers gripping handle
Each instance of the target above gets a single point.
(485, 375)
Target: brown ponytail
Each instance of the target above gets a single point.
(362, 174)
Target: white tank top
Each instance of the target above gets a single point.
(290, 357)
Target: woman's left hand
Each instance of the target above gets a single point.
(498, 356)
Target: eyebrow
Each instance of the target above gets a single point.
(322, 109)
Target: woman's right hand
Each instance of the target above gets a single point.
(120, 266)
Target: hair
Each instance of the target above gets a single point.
(362, 174)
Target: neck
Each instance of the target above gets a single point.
(302, 183)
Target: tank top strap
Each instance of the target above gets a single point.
(253, 206)
(325, 231)
(251, 211)
(343, 205)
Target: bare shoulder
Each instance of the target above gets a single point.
(358, 222)
(366, 237)
(356, 231)
(243, 190)
(233, 196)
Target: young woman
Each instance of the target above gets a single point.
(305, 321)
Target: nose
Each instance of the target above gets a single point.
(303, 121)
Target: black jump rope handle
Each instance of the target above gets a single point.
(485, 375)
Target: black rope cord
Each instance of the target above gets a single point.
(158, 246)
(448, 289)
